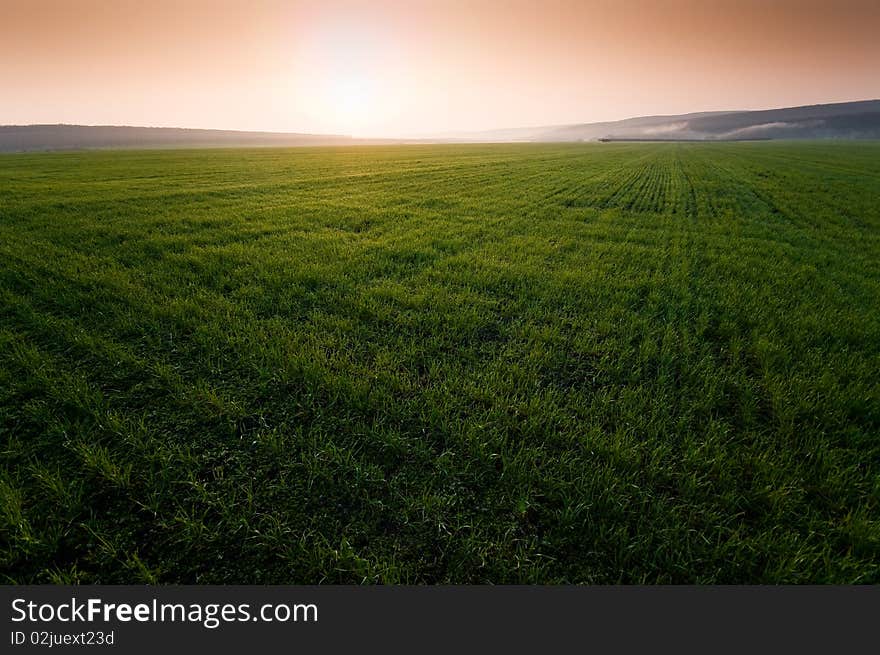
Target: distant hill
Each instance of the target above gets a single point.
(17, 138)
(844, 120)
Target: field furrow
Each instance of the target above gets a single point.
(520, 363)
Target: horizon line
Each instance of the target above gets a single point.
(446, 134)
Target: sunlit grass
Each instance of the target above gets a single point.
(506, 363)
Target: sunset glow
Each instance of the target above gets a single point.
(403, 68)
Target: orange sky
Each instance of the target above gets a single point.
(394, 68)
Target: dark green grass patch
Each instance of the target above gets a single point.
(504, 363)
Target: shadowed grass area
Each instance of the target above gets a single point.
(506, 363)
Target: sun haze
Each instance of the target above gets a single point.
(387, 68)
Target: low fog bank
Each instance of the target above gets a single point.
(847, 120)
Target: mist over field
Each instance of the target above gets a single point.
(853, 120)
(850, 120)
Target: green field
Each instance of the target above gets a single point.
(587, 363)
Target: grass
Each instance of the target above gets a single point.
(631, 363)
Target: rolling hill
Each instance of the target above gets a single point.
(846, 120)
(21, 138)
